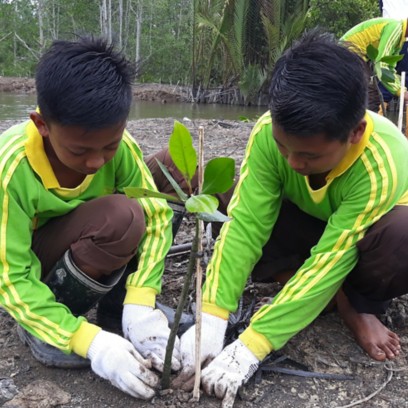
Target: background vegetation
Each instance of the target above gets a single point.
(224, 44)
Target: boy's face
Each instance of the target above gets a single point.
(316, 154)
(81, 150)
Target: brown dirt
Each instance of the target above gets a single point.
(326, 346)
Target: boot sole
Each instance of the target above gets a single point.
(49, 355)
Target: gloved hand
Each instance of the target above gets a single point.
(148, 330)
(228, 371)
(212, 341)
(115, 359)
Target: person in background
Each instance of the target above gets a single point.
(388, 37)
(69, 236)
(395, 9)
(321, 207)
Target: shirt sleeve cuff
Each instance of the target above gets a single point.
(82, 338)
(256, 342)
(215, 310)
(140, 296)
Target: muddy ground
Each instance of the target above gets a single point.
(325, 348)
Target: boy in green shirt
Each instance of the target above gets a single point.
(387, 35)
(67, 229)
(320, 206)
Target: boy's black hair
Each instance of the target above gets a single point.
(85, 83)
(318, 86)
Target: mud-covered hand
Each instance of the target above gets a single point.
(212, 341)
(148, 330)
(228, 371)
(115, 359)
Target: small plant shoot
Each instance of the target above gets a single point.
(218, 178)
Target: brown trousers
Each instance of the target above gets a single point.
(104, 233)
(381, 273)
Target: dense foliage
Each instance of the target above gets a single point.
(204, 43)
(338, 16)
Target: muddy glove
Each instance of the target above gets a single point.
(212, 341)
(228, 371)
(115, 359)
(148, 330)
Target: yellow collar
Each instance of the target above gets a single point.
(39, 162)
(354, 152)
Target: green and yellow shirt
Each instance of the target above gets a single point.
(367, 183)
(387, 36)
(30, 195)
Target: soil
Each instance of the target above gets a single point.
(325, 348)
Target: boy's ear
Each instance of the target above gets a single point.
(358, 132)
(39, 124)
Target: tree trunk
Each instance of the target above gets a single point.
(104, 18)
(139, 20)
(40, 11)
(120, 18)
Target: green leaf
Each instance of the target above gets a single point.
(138, 192)
(182, 151)
(372, 52)
(391, 59)
(202, 203)
(214, 217)
(183, 196)
(218, 175)
(387, 75)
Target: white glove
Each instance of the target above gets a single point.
(148, 330)
(228, 371)
(115, 359)
(212, 341)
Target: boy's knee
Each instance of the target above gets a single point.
(127, 216)
(390, 232)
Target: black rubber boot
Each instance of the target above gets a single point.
(79, 293)
(75, 289)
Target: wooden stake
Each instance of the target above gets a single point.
(406, 120)
(199, 274)
(401, 101)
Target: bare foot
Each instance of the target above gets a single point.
(375, 339)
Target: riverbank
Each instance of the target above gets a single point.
(154, 92)
(148, 92)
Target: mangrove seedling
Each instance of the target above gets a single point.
(218, 177)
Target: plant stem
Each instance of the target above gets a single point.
(179, 310)
(380, 95)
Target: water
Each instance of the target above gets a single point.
(18, 106)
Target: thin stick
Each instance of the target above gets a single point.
(199, 273)
(406, 120)
(401, 101)
(372, 395)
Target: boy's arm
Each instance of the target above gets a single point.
(253, 209)
(145, 283)
(371, 191)
(28, 300)
(390, 44)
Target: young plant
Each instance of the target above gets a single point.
(382, 73)
(218, 178)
